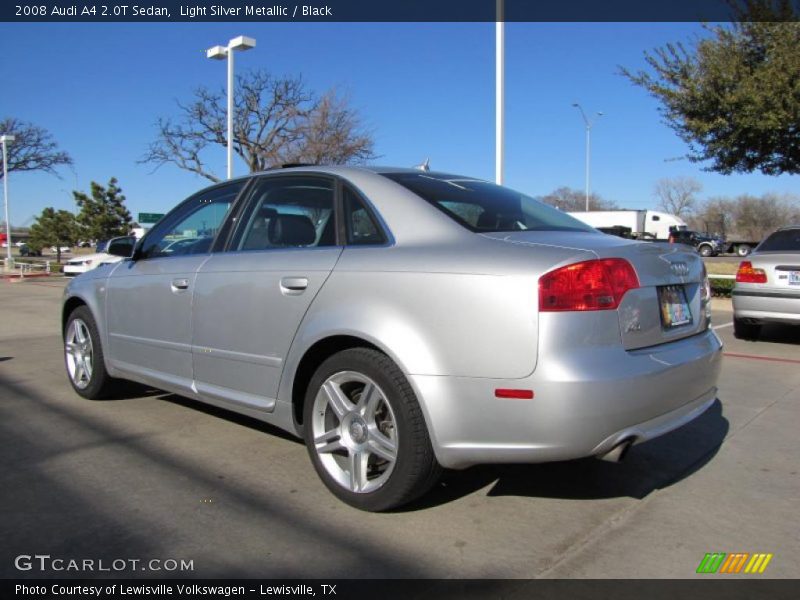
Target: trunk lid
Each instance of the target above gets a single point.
(782, 269)
(672, 300)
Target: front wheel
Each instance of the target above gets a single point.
(705, 251)
(365, 432)
(83, 356)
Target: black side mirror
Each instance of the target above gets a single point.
(122, 246)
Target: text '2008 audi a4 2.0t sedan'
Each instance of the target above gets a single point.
(402, 321)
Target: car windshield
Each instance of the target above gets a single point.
(482, 206)
(786, 240)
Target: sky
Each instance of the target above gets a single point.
(425, 90)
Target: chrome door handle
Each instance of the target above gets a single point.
(180, 284)
(294, 284)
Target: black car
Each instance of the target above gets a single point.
(702, 242)
(26, 251)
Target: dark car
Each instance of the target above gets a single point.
(26, 251)
(705, 244)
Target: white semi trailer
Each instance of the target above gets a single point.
(642, 223)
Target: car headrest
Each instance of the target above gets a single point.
(291, 230)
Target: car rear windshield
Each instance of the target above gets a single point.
(482, 206)
(786, 240)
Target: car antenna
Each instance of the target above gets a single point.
(424, 166)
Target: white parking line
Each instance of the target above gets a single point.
(723, 325)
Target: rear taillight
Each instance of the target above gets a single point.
(747, 274)
(590, 285)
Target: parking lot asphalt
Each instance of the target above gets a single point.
(156, 476)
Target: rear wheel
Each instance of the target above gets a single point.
(83, 356)
(365, 432)
(742, 249)
(744, 330)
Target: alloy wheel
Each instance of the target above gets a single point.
(79, 353)
(354, 431)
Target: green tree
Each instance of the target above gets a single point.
(103, 214)
(54, 228)
(734, 96)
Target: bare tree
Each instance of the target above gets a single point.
(757, 217)
(749, 217)
(571, 200)
(33, 148)
(716, 216)
(677, 195)
(277, 121)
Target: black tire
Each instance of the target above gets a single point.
(742, 249)
(705, 251)
(746, 331)
(97, 383)
(414, 469)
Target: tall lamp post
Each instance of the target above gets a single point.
(220, 53)
(5, 139)
(588, 122)
(499, 87)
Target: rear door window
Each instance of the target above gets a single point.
(360, 225)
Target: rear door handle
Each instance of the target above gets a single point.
(180, 284)
(293, 284)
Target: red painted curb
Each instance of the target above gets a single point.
(766, 358)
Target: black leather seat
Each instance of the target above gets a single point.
(291, 230)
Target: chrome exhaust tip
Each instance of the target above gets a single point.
(618, 452)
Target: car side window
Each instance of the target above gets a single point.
(288, 212)
(192, 227)
(360, 225)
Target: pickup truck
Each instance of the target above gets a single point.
(705, 244)
(739, 247)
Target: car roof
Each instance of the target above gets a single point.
(348, 169)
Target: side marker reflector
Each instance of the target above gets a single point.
(514, 394)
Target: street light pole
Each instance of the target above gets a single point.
(5, 139)
(588, 124)
(499, 124)
(241, 43)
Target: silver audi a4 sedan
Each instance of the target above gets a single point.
(402, 321)
(768, 284)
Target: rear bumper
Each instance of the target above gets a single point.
(584, 404)
(764, 305)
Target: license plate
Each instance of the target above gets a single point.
(794, 277)
(674, 307)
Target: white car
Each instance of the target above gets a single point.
(87, 262)
(64, 249)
